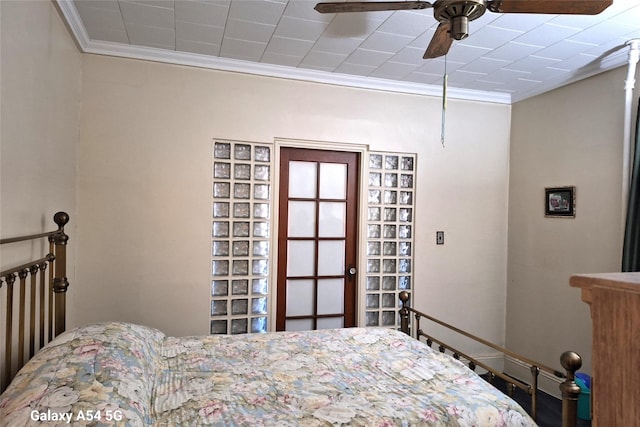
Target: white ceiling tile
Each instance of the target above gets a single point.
(488, 85)
(143, 35)
(438, 67)
(607, 30)
(251, 31)
(461, 52)
(266, 12)
(409, 55)
(189, 31)
(393, 71)
(285, 46)
(198, 47)
(524, 85)
(386, 42)
(356, 69)
(205, 13)
(278, 59)
(532, 62)
(316, 67)
(166, 4)
(407, 24)
(485, 65)
(575, 62)
(508, 76)
(148, 15)
(423, 78)
(322, 59)
(520, 21)
(304, 9)
(333, 45)
(491, 37)
(111, 5)
(242, 49)
(564, 49)
(109, 34)
(512, 51)
(629, 17)
(423, 40)
(352, 25)
(464, 77)
(369, 58)
(101, 23)
(546, 34)
(301, 29)
(549, 72)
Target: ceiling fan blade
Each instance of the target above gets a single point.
(440, 43)
(367, 6)
(570, 7)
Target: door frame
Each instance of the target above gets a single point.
(361, 218)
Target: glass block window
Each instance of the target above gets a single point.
(389, 248)
(240, 237)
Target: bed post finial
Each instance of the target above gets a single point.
(404, 312)
(571, 362)
(61, 218)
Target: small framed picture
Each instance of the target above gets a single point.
(560, 202)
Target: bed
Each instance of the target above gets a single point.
(124, 374)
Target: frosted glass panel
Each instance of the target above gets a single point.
(300, 258)
(333, 181)
(331, 296)
(299, 325)
(330, 257)
(302, 219)
(302, 179)
(330, 323)
(332, 219)
(299, 297)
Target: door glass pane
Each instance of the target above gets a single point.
(299, 325)
(331, 296)
(300, 258)
(299, 297)
(302, 179)
(332, 219)
(331, 257)
(330, 323)
(333, 181)
(302, 219)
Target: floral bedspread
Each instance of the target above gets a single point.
(128, 375)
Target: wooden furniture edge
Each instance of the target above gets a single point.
(621, 281)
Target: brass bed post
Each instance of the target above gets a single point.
(10, 279)
(571, 362)
(22, 274)
(32, 310)
(60, 282)
(404, 312)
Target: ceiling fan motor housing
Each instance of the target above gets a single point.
(458, 13)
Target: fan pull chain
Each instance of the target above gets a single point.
(444, 101)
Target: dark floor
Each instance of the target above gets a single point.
(549, 407)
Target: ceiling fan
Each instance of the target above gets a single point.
(454, 15)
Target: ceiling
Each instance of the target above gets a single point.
(506, 58)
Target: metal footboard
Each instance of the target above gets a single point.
(570, 361)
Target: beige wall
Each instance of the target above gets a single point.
(144, 185)
(40, 101)
(571, 136)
